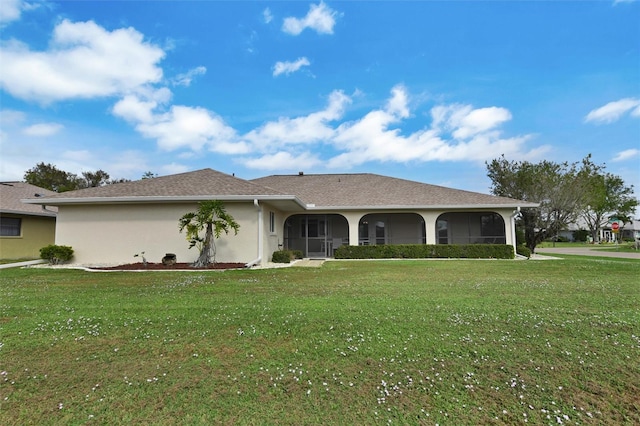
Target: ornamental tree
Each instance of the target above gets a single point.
(607, 197)
(212, 218)
(560, 189)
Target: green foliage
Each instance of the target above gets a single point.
(423, 251)
(56, 254)
(607, 197)
(520, 239)
(281, 256)
(580, 235)
(523, 250)
(286, 256)
(50, 177)
(561, 190)
(212, 217)
(149, 175)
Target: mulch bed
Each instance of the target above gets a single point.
(160, 267)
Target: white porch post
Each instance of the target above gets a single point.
(509, 227)
(430, 219)
(353, 220)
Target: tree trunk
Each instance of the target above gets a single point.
(205, 254)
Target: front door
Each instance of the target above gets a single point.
(316, 232)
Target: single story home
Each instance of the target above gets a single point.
(627, 231)
(312, 213)
(24, 228)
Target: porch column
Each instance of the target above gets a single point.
(353, 219)
(430, 219)
(509, 227)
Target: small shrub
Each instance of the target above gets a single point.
(56, 254)
(581, 235)
(523, 250)
(281, 256)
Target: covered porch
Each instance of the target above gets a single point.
(320, 235)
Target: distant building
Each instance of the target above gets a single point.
(24, 228)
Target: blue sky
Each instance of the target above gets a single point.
(422, 90)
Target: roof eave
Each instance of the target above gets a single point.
(159, 199)
(45, 213)
(427, 207)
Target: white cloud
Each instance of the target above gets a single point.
(180, 127)
(84, 61)
(289, 67)
(613, 111)
(174, 168)
(185, 79)
(10, 10)
(615, 2)
(475, 135)
(627, 154)
(300, 130)
(320, 18)
(43, 129)
(9, 117)
(190, 127)
(267, 15)
(283, 161)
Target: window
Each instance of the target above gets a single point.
(10, 226)
(490, 225)
(272, 222)
(442, 230)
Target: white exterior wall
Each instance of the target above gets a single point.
(113, 234)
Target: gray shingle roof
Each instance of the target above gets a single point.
(371, 190)
(12, 192)
(331, 191)
(200, 183)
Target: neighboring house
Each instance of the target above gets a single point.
(24, 228)
(628, 231)
(312, 213)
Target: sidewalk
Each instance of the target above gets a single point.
(21, 264)
(587, 251)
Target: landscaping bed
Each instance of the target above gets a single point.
(161, 267)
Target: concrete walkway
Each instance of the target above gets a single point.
(587, 251)
(21, 264)
(309, 263)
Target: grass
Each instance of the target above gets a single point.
(623, 247)
(400, 342)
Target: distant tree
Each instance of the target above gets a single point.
(213, 218)
(607, 197)
(559, 188)
(149, 175)
(94, 179)
(119, 180)
(50, 177)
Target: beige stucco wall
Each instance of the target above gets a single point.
(113, 234)
(273, 240)
(37, 232)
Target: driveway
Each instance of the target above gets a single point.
(587, 251)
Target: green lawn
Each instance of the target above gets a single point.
(401, 342)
